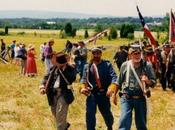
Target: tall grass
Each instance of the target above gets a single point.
(23, 108)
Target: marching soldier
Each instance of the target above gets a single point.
(120, 56)
(98, 83)
(164, 68)
(171, 67)
(80, 55)
(135, 76)
(55, 85)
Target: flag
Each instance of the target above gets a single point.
(96, 36)
(146, 29)
(172, 28)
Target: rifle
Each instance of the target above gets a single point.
(145, 88)
(3, 55)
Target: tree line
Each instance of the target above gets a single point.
(91, 23)
(68, 27)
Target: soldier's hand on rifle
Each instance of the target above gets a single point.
(145, 79)
(86, 91)
(42, 89)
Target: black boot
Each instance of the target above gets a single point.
(68, 125)
(109, 128)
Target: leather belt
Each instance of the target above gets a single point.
(132, 97)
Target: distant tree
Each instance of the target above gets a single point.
(86, 35)
(158, 34)
(165, 23)
(2, 33)
(44, 25)
(113, 33)
(74, 32)
(6, 30)
(68, 29)
(130, 36)
(125, 30)
(122, 33)
(99, 28)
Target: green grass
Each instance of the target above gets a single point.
(23, 108)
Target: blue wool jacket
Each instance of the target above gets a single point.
(106, 73)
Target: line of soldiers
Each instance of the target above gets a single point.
(99, 83)
(162, 59)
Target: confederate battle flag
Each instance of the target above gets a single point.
(146, 29)
(172, 28)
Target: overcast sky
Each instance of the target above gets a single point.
(104, 7)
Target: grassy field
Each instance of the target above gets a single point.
(23, 108)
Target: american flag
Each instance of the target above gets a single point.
(146, 29)
(172, 27)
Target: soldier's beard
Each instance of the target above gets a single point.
(137, 60)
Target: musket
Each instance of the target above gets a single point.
(146, 90)
(4, 61)
(98, 35)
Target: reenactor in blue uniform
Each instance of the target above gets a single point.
(98, 83)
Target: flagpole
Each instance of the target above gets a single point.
(170, 26)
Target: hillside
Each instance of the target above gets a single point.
(23, 108)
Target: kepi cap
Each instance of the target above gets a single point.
(134, 48)
(96, 49)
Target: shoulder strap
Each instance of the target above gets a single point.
(137, 78)
(127, 72)
(96, 75)
(49, 78)
(87, 76)
(64, 77)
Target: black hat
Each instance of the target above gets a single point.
(61, 58)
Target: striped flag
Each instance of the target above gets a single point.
(96, 75)
(172, 28)
(96, 36)
(146, 29)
